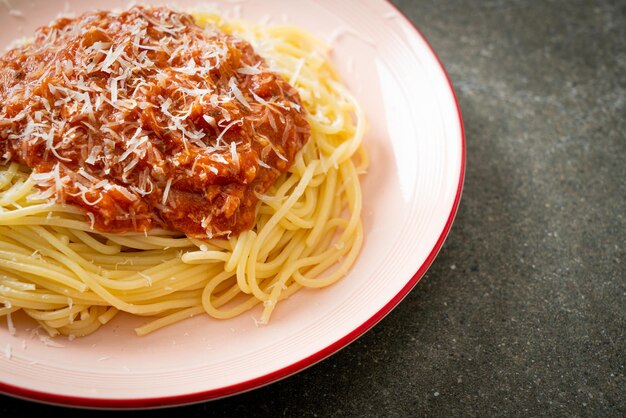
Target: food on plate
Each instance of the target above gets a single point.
(167, 164)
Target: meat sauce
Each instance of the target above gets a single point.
(145, 120)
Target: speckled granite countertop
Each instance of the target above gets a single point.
(524, 311)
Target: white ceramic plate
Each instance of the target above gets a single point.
(411, 194)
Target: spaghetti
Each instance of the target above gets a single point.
(71, 277)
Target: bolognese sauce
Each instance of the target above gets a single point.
(145, 120)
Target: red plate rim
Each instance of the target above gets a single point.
(178, 400)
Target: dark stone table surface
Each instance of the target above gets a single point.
(523, 313)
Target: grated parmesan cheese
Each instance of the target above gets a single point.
(49, 342)
(232, 83)
(167, 191)
(10, 325)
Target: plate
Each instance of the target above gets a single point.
(411, 193)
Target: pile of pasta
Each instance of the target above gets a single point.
(72, 279)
